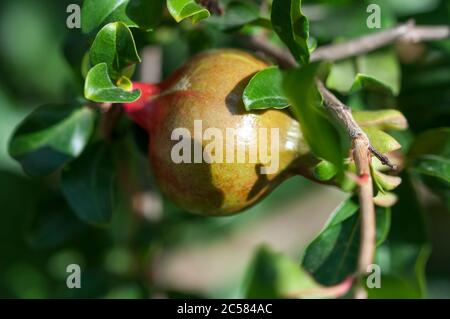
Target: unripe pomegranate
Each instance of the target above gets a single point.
(209, 88)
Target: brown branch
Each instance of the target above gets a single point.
(361, 155)
(408, 32)
(362, 150)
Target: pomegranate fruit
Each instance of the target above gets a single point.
(209, 88)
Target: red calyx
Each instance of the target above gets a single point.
(139, 110)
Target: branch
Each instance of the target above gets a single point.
(407, 32)
(344, 116)
(362, 150)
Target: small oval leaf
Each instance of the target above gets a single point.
(381, 119)
(382, 141)
(98, 87)
(94, 12)
(51, 136)
(292, 27)
(264, 90)
(182, 9)
(115, 46)
(324, 171)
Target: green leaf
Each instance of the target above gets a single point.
(236, 14)
(51, 136)
(292, 27)
(145, 14)
(319, 133)
(382, 141)
(182, 9)
(429, 157)
(385, 182)
(381, 119)
(332, 256)
(94, 12)
(376, 71)
(87, 185)
(342, 75)
(324, 171)
(385, 199)
(264, 90)
(433, 165)
(274, 275)
(114, 45)
(99, 88)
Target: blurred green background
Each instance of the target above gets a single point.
(153, 249)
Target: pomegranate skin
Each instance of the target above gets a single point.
(209, 87)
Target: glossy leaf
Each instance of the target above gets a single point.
(264, 90)
(87, 185)
(98, 87)
(385, 182)
(319, 133)
(51, 136)
(114, 45)
(94, 12)
(292, 27)
(273, 275)
(182, 9)
(332, 256)
(382, 141)
(324, 171)
(385, 199)
(145, 14)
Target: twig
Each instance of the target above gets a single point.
(408, 32)
(362, 150)
(344, 116)
(260, 43)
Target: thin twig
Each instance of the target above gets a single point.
(408, 32)
(361, 155)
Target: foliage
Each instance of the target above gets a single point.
(77, 212)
